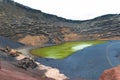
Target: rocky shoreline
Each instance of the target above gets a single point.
(49, 71)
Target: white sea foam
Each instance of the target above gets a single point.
(80, 47)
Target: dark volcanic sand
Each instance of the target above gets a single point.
(7, 42)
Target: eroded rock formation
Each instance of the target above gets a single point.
(111, 74)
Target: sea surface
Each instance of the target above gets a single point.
(88, 63)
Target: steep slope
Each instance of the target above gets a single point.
(103, 27)
(18, 21)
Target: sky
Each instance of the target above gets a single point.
(75, 9)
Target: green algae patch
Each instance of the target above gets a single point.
(64, 50)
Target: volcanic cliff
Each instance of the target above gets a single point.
(30, 26)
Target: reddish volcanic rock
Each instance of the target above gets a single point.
(11, 72)
(111, 74)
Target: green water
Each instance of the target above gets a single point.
(64, 50)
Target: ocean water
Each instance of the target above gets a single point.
(89, 62)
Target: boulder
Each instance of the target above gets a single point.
(111, 74)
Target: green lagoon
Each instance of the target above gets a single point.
(63, 50)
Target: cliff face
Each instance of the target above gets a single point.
(111, 74)
(18, 21)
